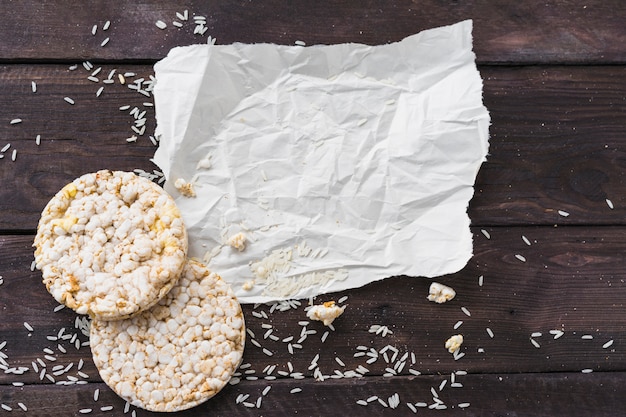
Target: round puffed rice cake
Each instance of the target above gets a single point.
(110, 244)
(180, 352)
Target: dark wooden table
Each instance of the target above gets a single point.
(555, 85)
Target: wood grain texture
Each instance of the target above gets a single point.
(488, 395)
(557, 141)
(569, 282)
(560, 31)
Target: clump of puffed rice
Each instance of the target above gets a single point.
(454, 343)
(326, 313)
(110, 244)
(440, 293)
(179, 353)
(187, 189)
(238, 241)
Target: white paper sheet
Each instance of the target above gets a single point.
(361, 159)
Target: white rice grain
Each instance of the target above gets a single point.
(535, 343)
(28, 327)
(526, 241)
(14, 155)
(521, 258)
(557, 333)
(609, 203)
(161, 24)
(563, 213)
(607, 344)
(106, 408)
(69, 100)
(295, 390)
(458, 324)
(466, 311)
(587, 371)
(15, 121)
(489, 332)
(33, 86)
(106, 25)
(94, 30)
(463, 405)
(485, 233)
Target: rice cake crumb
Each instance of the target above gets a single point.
(185, 188)
(180, 352)
(453, 344)
(110, 244)
(440, 293)
(326, 313)
(238, 241)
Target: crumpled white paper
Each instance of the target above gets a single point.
(360, 159)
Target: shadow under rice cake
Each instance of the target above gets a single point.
(110, 244)
(180, 352)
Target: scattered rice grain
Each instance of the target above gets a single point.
(69, 100)
(485, 233)
(161, 24)
(609, 203)
(607, 344)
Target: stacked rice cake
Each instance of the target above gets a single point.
(110, 244)
(166, 334)
(179, 353)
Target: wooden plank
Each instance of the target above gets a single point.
(532, 31)
(556, 394)
(572, 280)
(557, 140)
